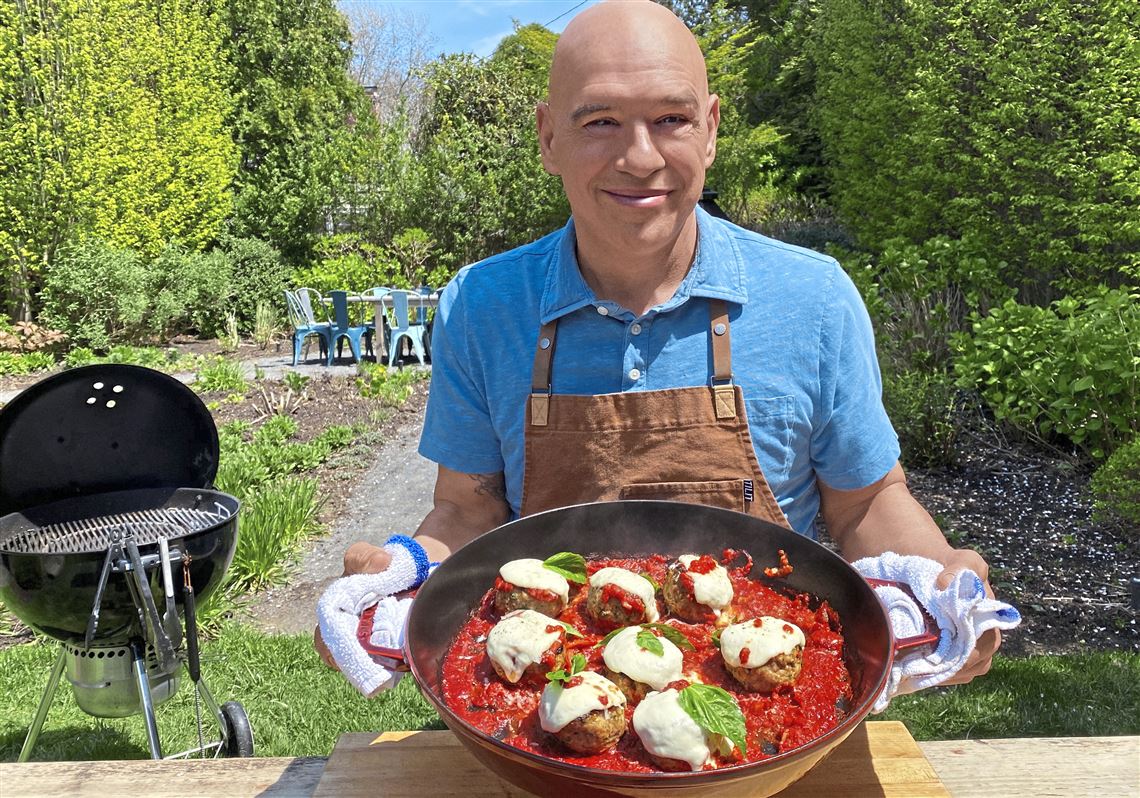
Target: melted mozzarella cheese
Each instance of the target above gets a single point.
(774, 636)
(623, 655)
(630, 583)
(519, 640)
(531, 573)
(666, 730)
(561, 705)
(713, 589)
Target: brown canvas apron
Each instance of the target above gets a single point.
(681, 444)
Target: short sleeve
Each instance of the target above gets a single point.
(853, 443)
(458, 432)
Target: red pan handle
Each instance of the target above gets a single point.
(396, 660)
(930, 635)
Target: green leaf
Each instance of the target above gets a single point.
(1083, 384)
(650, 642)
(716, 711)
(570, 630)
(650, 580)
(602, 643)
(674, 636)
(570, 565)
(577, 665)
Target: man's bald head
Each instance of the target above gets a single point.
(640, 30)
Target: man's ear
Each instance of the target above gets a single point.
(712, 119)
(544, 121)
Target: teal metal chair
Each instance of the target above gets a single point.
(305, 325)
(343, 328)
(378, 292)
(404, 325)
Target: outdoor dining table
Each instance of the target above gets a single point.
(382, 303)
(879, 759)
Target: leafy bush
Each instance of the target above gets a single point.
(220, 374)
(24, 336)
(259, 277)
(168, 360)
(275, 520)
(96, 293)
(392, 388)
(1116, 484)
(190, 292)
(921, 405)
(347, 263)
(1072, 369)
(25, 363)
(1008, 119)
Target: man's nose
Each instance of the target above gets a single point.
(640, 156)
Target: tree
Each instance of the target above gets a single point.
(296, 110)
(389, 50)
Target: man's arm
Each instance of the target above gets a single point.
(884, 516)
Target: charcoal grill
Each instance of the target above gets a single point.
(110, 536)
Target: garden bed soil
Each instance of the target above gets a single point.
(1029, 513)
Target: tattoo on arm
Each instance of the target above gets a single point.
(493, 485)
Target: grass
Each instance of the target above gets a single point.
(298, 707)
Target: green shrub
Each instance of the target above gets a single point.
(1072, 369)
(392, 388)
(921, 405)
(189, 293)
(275, 521)
(220, 374)
(1116, 484)
(95, 293)
(347, 263)
(259, 276)
(19, 363)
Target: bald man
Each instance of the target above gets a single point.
(696, 361)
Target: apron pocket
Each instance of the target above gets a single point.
(725, 493)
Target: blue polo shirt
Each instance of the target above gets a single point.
(802, 351)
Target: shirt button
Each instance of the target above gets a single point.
(635, 374)
(635, 329)
(604, 311)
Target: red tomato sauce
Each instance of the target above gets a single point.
(787, 718)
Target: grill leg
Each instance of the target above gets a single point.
(42, 710)
(139, 655)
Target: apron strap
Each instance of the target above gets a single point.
(724, 395)
(540, 374)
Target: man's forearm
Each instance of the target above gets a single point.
(891, 521)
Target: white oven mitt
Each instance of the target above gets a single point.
(340, 607)
(963, 612)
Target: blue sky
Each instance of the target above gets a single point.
(477, 25)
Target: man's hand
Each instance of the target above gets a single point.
(361, 558)
(981, 658)
(884, 516)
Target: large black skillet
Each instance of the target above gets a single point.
(446, 600)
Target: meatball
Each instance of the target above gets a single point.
(509, 598)
(587, 713)
(524, 646)
(696, 589)
(782, 669)
(595, 731)
(763, 654)
(618, 597)
(526, 584)
(636, 670)
(632, 689)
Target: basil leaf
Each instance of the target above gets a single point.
(610, 636)
(578, 664)
(674, 636)
(716, 638)
(650, 580)
(648, 641)
(716, 711)
(570, 630)
(559, 675)
(570, 565)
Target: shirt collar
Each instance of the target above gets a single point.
(717, 272)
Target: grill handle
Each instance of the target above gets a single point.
(163, 648)
(189, 604)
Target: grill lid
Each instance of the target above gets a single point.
(97, 429)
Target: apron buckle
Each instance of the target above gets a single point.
(539, 407)
(724, 397)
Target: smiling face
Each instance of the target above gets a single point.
(630, 128)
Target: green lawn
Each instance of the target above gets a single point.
(297, 707)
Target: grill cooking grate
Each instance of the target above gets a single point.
(95, 534)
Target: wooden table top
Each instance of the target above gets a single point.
(1075, 767)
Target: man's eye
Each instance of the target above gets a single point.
(673, 119)
(600, 123)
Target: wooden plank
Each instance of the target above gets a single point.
(880, 759)
(1073, 767)
(274, 777)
